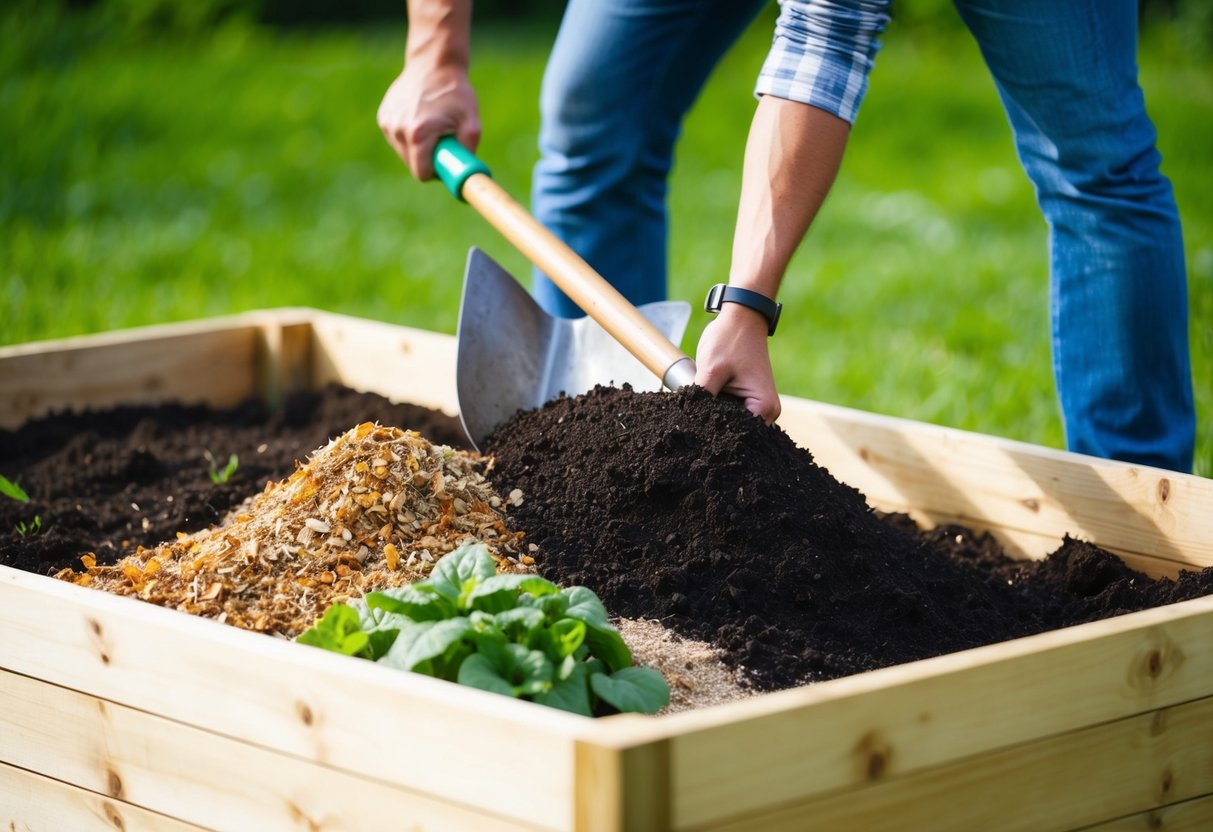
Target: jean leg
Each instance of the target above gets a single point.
(1066, 71)
(621, 76)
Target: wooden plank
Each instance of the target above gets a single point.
(621, 786)
(1078, 778)
(1194, 815)
(199, 776)
(32, 803)
(401, 363)
(902, 719)
(403, 728)
(284, 358)
(189, 365)
(1013, 485)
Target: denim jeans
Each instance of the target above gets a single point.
(623, 73)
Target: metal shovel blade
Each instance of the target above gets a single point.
(511, 355)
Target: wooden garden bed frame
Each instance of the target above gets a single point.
(115, 714)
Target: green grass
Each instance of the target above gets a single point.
(148, 179)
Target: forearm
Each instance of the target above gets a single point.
(791, 158)
(432, 97)
(439, 32)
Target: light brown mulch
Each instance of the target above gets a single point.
(375, 508)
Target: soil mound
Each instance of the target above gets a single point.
(688, 509)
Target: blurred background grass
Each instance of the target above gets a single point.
(168, 161)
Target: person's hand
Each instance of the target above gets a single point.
(422, 105)
(732, 358)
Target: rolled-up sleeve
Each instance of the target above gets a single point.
(822, 53)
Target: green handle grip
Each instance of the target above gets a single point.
(454, 163)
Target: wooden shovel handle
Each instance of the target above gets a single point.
(468, 179)
(584, 286)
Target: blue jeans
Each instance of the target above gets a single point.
(623, 73)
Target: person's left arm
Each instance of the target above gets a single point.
(792, 155)
(810, 88)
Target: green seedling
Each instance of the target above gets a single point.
(517, 635)
(10, 489)
(22, 528)
(220, 476)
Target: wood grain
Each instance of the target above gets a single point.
(201, 777)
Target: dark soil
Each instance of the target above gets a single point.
(110, 480)
(688, 509)
(678, 507)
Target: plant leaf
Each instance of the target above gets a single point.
(519, 621)
(10, 489)
(570, 694)
(513, 671)
(470, 562)
(531, 671)
(605, 643)
(425, 641)
(500, 592)
(379, 642)
(411, 602)
(567, 636)
(479, 671)
(339, 630)
(632, 690)
(554, 606)
(584, 604)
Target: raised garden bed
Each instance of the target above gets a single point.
(119, 714)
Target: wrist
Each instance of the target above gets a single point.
(737, 305)
(439, 35)
(434, 54)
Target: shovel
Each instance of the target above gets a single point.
(511, 355)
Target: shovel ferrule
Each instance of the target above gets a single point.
(454, 164)
(679, 374)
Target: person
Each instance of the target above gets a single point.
(623, 74)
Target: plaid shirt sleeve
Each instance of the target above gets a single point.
(822, 53)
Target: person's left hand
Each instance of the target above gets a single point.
(732, 358)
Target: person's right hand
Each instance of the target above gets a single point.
(733, 358)
(424, 104)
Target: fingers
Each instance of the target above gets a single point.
(420, 151)
(733, 359)
(468, 133)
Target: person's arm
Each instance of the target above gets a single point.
(432, 97)
(811, 86)
(792, 156)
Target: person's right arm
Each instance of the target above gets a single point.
(432, 97)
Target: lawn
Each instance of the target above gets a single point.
(149, 178)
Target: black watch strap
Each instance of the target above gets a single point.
(723, 293)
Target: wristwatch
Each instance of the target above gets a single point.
(723, 293)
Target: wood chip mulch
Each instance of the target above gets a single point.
(375, 508)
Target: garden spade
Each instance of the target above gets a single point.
(511, 355)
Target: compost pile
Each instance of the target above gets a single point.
(375, 508)
(689, 509)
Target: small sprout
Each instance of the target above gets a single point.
(220, 476)
(22, 528)
(10, 489)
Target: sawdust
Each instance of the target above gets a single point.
(694, 670)
(375, 508)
